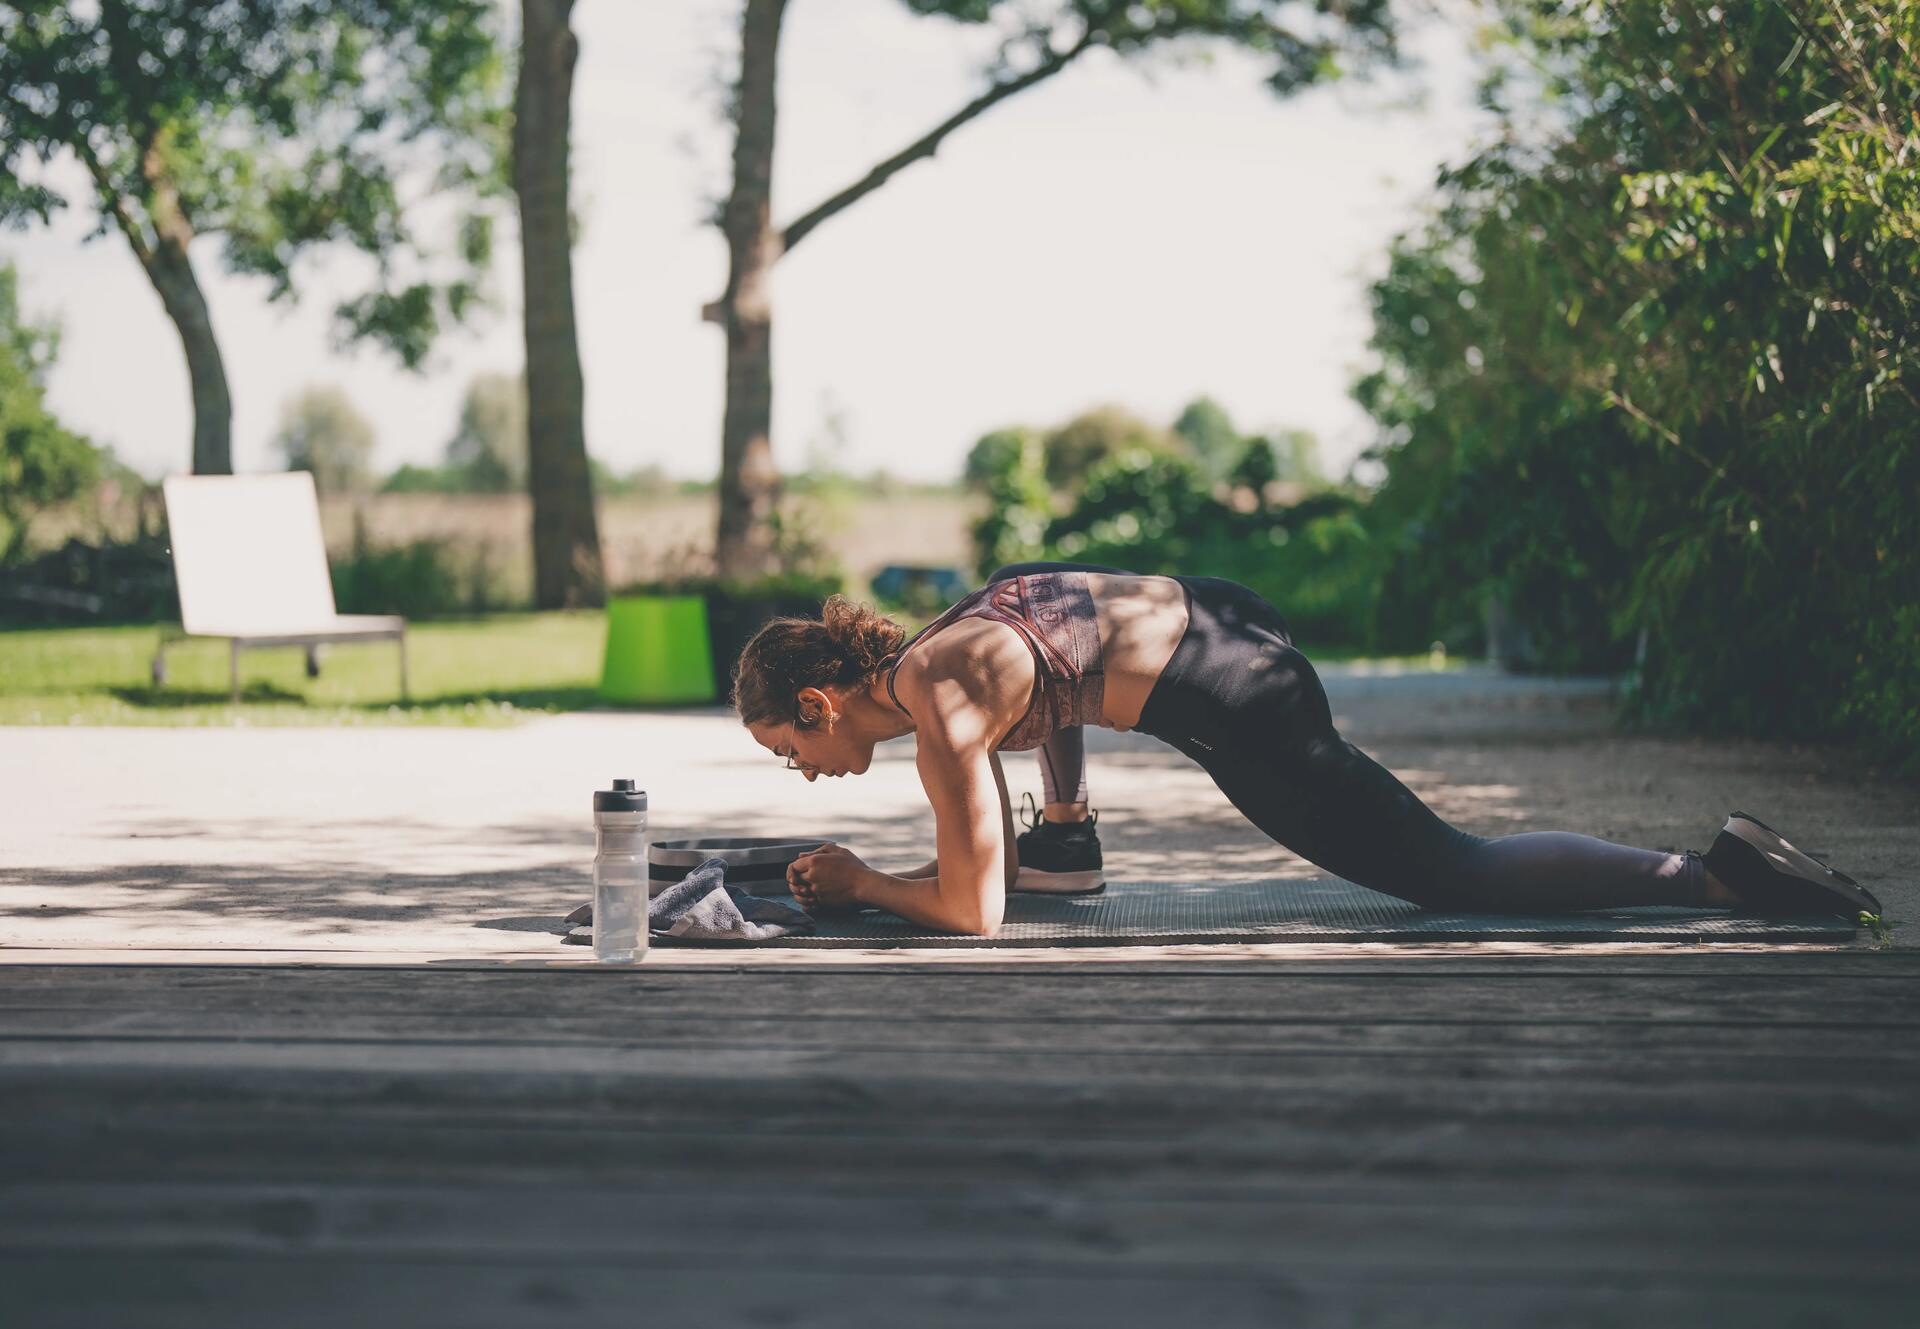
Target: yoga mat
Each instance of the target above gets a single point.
(1150, 913)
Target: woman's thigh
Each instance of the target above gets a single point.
(1342, 811)
(1251, 709)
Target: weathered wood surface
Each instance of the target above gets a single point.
(1575, 1141)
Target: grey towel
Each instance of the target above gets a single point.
(702, 907)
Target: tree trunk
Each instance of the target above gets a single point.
(749, 483)
(567, 569)
(171, 273)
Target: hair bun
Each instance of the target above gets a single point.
(845, 647)
(864, 635)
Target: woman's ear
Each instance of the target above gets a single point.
(810, 704)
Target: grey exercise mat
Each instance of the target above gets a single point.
(1152, 913)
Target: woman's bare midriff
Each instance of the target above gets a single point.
(1141, 622)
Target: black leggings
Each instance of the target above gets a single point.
(1240, 700)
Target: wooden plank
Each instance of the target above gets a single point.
(1528, 1122)
(186, 1292)
(1091, 994)
(1690, 1233)
(963, 1032)
(1860, 965)
(1098, 995)
(1368, 1144)
(1442, 1153)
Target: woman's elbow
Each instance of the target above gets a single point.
(986, 922)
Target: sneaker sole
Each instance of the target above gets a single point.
(1782, 857)
(1035, 882)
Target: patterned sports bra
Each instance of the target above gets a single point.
(1054, 612)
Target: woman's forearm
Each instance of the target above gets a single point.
(930, 868)
(919, 900)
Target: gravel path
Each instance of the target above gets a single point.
(351, 845)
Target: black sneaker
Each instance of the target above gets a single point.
(1059, 857)
(1771, 877)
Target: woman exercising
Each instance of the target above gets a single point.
(1203, 664)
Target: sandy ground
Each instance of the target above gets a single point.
(403, 845)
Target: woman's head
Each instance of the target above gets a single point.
(795, 679)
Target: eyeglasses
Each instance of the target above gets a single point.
(791, 765)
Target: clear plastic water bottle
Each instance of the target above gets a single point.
(620, 873)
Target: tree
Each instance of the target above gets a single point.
(995, 454)
(1296, 454)
(1210, 434)
(1082, 443)
(279, 125)
(41, 461)
(321, 431)
(1042, 40)
(567, 568)
(488, 450)
(1648, 374)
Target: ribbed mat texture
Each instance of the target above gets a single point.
(1152, 913)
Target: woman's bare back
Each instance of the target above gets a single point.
(1141, 622)
(1140, 619)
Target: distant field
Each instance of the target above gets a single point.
(643, 537)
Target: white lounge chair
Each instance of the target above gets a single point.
(251, 565)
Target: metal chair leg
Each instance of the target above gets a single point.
(403, 665)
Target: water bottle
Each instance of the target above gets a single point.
(620, 873)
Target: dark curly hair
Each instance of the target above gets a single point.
(844, 647)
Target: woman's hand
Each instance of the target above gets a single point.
(824, 880)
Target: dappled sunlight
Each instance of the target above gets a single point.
(461, 842)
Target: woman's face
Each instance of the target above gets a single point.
(825, 749)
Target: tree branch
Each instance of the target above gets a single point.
(929, 143)
(1718, 470)
(113, 200)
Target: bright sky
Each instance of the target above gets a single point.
(1104, 237)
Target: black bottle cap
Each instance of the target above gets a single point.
(623, 797)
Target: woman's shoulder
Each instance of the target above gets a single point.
(971, 657)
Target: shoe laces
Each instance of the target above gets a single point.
(1031, 813)
(1033, 816)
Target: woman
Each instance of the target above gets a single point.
(1209, 667)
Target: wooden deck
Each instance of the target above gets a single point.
(1575, 1140)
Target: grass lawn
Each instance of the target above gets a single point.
(484, 671)
(464, 672)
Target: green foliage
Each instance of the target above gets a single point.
(490, 445)
(1296, 457)
(416, 579)
(1154, 509)
(278, 124)
(410, 479)
(425, 578)
(1650, 376)
(323, 432)
(1155, 513)
(1090, 438)
(41, 461)
(993, 454)
(1210, 436)
(1019, 501)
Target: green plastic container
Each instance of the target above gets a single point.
(657, 651)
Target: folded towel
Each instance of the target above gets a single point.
(702, 907)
